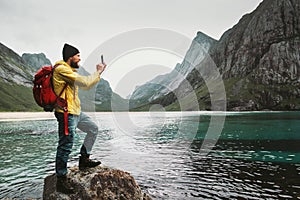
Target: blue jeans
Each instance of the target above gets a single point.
(65, 143)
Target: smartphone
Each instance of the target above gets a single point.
(102, 59)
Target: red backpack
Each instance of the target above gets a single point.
(43, 91)
(44, 94)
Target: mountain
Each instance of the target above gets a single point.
(107, 100)
(16, 82)
(101, 98)
(163, 84)
(16, 75)
(258, 60)
(36, 61)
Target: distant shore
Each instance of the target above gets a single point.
(24, 116)
(20, 116)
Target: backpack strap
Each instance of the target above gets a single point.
(65, 108)
(66, 85)
(52, 81)
(66, 121)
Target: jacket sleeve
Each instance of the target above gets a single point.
(83, 82)
(87, 82)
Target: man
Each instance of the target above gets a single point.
(67, 81)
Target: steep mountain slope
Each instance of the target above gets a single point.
(258, 59)
(16, 75)
(13, 68)
(16, 82)
(163, 84)
(36, 61)
(101, 98)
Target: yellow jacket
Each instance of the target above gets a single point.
(63, 74)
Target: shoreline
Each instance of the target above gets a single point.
(24, 116)
(27, 116)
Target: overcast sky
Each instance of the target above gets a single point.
(34, 26)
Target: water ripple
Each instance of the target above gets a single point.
(165, 163)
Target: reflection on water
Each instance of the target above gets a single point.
(244, 178)
(256, 157)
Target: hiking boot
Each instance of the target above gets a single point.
(86, 162)
(63, 185)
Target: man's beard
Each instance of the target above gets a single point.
(74, 65)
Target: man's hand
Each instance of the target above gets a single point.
(100, 67)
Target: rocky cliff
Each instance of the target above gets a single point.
(16, 82)
(101, 98)
(13, 68)
(261, 55)
(36, 61)
(258, 59)
(107, 100)
(163, 84)
(96, 183)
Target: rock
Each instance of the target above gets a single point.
(36, 60)
(13, 68)
(15, 82)
(96, 183)
(163, 84)
(103, 98)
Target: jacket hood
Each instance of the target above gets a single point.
(61, 62)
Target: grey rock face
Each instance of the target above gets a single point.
(258, 59)
(264, 47)
(96, 183)
(267, 38)
(13, 69)
(36, 61)
(163, 84)
(102, 98)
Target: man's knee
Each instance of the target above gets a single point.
(87, 125)
(94, 129)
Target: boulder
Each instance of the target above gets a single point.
(96, 183)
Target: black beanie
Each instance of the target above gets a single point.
(69, 51)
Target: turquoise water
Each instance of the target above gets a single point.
(263, 136)
(171, 155)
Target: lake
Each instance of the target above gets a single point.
(172, 155)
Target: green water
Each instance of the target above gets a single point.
(264, 136)
(254, 156)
